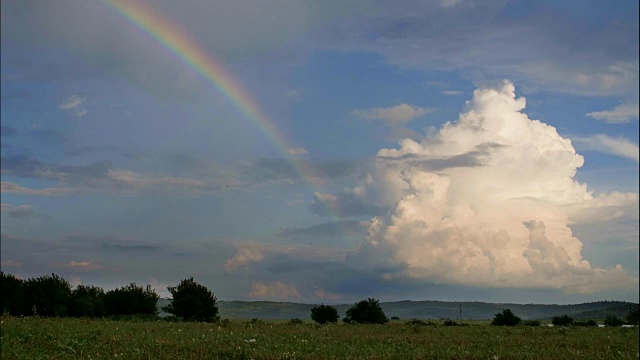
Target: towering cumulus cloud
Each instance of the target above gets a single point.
(488, 200)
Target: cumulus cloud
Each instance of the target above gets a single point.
(274, 290)
(609, 145)
(502, 221)
(250, 252)
(620, 114)
(73, 105)
(395, 114)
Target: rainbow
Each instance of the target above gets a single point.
(171, 36)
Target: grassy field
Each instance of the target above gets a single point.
(41, 338)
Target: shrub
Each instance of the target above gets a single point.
(47, 295)
(632, 316)
(585, 323)
(564, 320)
(505, 318)
(86, 301)
(612, 320)
(192, 302)
(131, 300)
(395, 318)
(296, 321)
(418, 322)
(450, 323)
(531, 323)
(366, 312)
(323, 314)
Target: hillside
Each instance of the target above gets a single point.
(424, 310)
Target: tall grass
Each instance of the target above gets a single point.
(66, 338)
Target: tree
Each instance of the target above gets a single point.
(632, 316)
(612, 320)
(12, 295)
(323, 314)
(192, 302)
(131, 300)
(47, 295)
(87, 301)
(563, 320)
(366, 312)
(506, 318)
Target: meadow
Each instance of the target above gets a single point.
(69, 338)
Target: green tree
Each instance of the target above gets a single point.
(563, 320)
(366, 312)
(323, 314)
(87, 301)
(612, 320)
(506, 318)
(632, 316)
(47, 295)
(192, 302)
(12, 295)
(131, 300)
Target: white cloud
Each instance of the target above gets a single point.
(297, 151)
(620, 114)
(73, 105)
(9, 187)
(610, 145)
(453, 92)
(486, 201)
(395, 114)
(274, 290)
(249, 252)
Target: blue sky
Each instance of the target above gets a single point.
(457, 150)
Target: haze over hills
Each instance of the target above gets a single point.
(425, 309)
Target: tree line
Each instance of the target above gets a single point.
(53, 296)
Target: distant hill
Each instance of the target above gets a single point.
(424, 310)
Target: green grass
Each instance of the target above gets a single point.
(41, 338)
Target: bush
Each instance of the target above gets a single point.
(505, 318)
(131, 300)
(395, 318)
(612, 320)
(86, 301)
(366, 312)
(323, 314)
(450, 323)
(585, 323)
(192, 302)
(418, 322)
(632, 316)
(12, 295)
(531, 323)
(564, 320)
(47, 295)
(296, 321)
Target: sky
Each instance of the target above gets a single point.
(324, 151)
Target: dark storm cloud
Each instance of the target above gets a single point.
(27, 166)
(7, 131)
(472, 158)
(322, 231)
